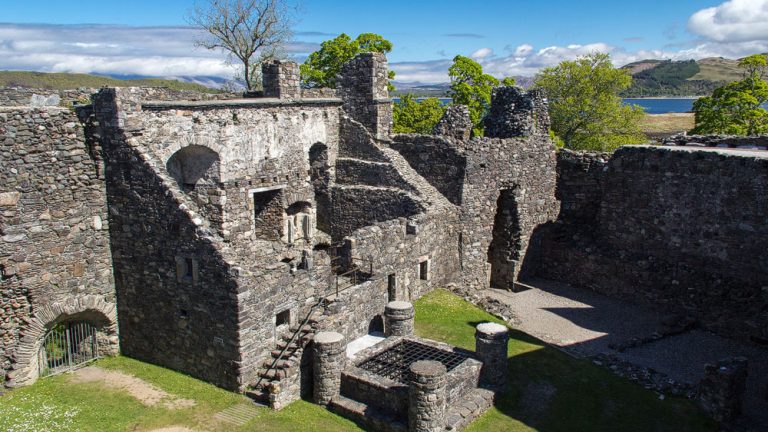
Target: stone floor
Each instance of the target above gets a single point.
(586, 324)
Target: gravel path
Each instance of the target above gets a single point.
(584, 324)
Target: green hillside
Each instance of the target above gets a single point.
(681, 78)
(66, 81)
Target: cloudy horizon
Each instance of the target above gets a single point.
(730, 29)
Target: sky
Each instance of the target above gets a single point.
(508, 37)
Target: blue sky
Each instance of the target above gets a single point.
(508, 37)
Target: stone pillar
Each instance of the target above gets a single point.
(491, 341)
(426, 396)
(721, 391)
(281, 79)
(362, 84)
(329, 358)
(398, 319)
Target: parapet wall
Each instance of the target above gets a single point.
(683, 228)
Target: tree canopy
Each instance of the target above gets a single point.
(248, 31)
(322, 66)
(471, 87)
(736, 108)
(584, 104)
(414, 116)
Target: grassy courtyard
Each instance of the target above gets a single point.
(549, 392)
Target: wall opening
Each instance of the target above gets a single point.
(320, 175)
(504, 250)
(193, 166)
(392, 287)
(376, 325)
(298, 222)
(283, 318)
(186, 269)
(267, 214)
(424, 270)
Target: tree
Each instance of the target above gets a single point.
(248, 31)
(413, 116)
(584, 104)
(736, 108)
(471, 87)
(322, 66)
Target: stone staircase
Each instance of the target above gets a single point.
(280, 376)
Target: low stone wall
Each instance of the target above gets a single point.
(737, 141)
(678, 227)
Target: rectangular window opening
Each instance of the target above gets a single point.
(424, 270)
(283, 318)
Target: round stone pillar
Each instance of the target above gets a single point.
(398, 319)
(491, 348)
(426, 396)
(329, 357)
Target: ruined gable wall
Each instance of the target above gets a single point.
(526, 168)
(681, 228)
(173, 314)
(54, 244)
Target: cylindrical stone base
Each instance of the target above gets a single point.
(329, 359)
(491, 341)
(426, 396)
(398, 317)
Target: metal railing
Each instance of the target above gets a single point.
(312, 308)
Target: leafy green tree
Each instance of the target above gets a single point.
(736, 108)
(413, 116)
(585, 107)
(471, 87)
(508, 82)
(322, 66)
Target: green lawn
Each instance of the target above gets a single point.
(549, 392)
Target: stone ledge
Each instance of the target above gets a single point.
(235, 103)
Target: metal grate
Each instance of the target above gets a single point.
(395, 362)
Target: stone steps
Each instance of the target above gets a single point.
(366, 416)
(468, 408)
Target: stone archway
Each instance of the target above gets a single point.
(91, 308)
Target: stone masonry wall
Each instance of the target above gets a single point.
(54, 241)
(177, 293)
(679, 227)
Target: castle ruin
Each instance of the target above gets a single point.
(217, 237)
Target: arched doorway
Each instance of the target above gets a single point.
(506, 244)
(66, 346)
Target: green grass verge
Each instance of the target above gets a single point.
(551, 391)
(548, 392)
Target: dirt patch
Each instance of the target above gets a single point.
(173, 429)
(142, 391)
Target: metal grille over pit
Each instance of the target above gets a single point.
(395, 362)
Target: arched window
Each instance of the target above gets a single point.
(194, 165)
(299, 222)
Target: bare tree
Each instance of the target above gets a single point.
(248, 31)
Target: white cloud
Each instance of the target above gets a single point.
(482, 53)
(120, 50)
(732, 21)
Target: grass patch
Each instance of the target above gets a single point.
(663, 125)
(551, 391)
(548, 392)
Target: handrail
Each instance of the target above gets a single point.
(320, 301)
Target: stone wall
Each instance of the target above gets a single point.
(679, 227)
(362, 84)
(737, 141)
(54, 246)
(512, 175)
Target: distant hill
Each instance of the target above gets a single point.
(680, 78)
(66, 81)
(440, 90)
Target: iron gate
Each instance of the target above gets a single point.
(66, 346)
